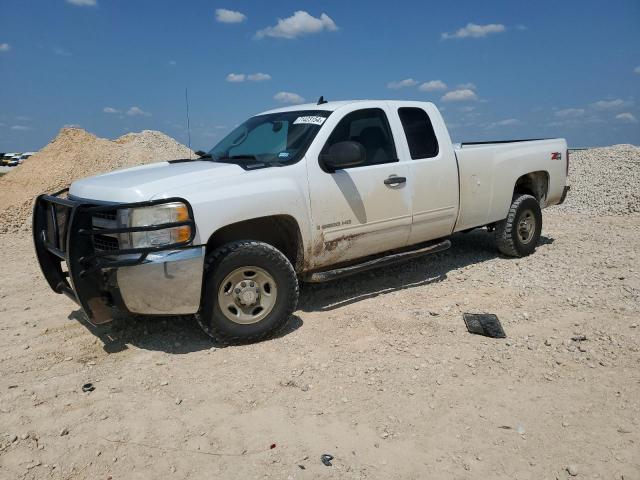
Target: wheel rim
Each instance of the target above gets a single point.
(526, 226)
(247, 295)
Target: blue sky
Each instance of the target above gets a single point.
(500, 69)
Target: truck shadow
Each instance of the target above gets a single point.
(177, 335)
(180, 335)
(470, 248)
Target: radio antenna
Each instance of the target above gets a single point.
(186, 100)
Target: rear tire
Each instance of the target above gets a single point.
(250, 292)
(519, 233)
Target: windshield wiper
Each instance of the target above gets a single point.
(249, 161)
(203, 155)
(239, 157)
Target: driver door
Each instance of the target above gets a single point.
(362, 210)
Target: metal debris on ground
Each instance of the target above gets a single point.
(326, 459)
(88, 387)
(486, 324)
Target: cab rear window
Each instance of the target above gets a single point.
(419, 132)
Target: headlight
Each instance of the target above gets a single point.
(157, 215)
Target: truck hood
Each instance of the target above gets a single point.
(148, 181)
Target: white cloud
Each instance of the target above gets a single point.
(110, 110)
(172, 63)
(470, 86)
(610, 104)
(236, 77)
(20, 128)
(467, 109)
(288, 97)
(137, 112)
(570, 112)
(251, 77)
(432, 86)
(407, 82)
(626, 117)
(83, 3)
(229, 16)
(62, 52)
(300, 23)
(473, 30)
(462, 95)
(509, 122)
(5, 47)
(258, 77)
(635, 70)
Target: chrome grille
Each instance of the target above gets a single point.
(106, 215)
(104, 243)
(102, 220)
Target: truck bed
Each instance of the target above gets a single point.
(488, 172)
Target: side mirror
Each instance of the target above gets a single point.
(343, 155)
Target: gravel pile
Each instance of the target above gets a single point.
(604, 181)
(73, 154)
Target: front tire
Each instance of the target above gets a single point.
(519, 233)
(250, 292)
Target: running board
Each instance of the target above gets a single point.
(326, 275)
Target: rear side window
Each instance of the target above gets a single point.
(370, 128)
(419, 132)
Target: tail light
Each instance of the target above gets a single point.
(567, 167)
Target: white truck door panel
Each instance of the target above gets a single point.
(432, 169)
(354, 212)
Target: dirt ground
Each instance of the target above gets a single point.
(377, 370)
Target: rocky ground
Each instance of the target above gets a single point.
(377, 370)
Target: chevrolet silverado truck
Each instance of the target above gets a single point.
(304, 193)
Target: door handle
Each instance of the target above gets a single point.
(393, 180)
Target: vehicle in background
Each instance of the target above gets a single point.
(25, 156)
(6, 158)
(304, 193)
(14, 161)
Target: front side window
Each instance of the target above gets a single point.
(271, 139)
(370, 128)
(419, 132)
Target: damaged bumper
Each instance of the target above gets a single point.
(81, 257)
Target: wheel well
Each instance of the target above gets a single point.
(534, 183)
(279, 231)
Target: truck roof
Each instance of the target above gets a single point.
(331, 106)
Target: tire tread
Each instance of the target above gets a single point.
(273, 255)
(505, 228)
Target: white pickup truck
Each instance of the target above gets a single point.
(303, 193)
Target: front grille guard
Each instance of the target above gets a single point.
(70, 242)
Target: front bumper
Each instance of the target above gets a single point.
(166, 283)
(155, 280)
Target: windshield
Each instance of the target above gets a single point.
(272, 139)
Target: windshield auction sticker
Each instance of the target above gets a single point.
(312, 120)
